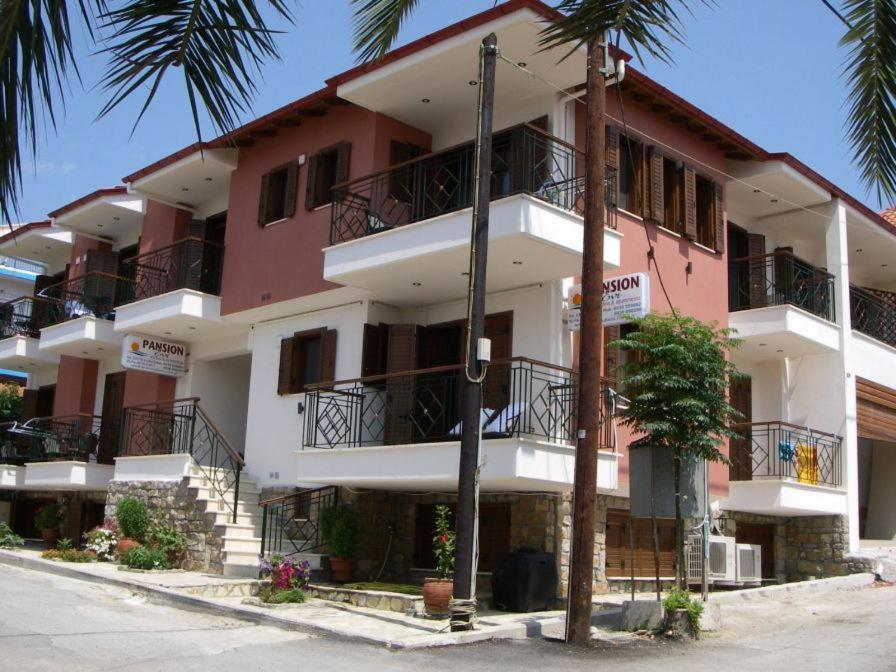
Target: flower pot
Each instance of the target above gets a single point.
(50, 535)
(341, 569)
(125, 544)
(437, 595)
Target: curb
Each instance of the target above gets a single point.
(814, 587)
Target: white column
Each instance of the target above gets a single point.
(838, 263)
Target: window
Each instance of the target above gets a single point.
(631, 175)
(326, 169)
(705, 212)
(277, 199)
(673, 218)
(306, 358)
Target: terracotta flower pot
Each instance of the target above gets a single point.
(341, 569)
(125, 544)
(437, 595)
(50, 535)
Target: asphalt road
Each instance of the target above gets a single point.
(54, 623)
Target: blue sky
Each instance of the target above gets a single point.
(770, 69)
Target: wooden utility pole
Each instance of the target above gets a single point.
(581, 571)
(465, 553)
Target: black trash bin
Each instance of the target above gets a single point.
(524, 581)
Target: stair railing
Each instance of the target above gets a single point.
(294, 520)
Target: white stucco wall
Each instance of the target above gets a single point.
(222, 386)
(881, 520)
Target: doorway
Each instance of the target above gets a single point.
(113, 409)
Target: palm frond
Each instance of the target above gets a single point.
(219, 46)
(870, 71)
(376, 25)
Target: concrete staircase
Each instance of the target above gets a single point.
(241, 539)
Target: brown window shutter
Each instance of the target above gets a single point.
(101, 261)
(374, 351)
(292, 186)
(612, 356)
(310, 179)
(328, 355)
(263, 199)
(398, 427)
(343, 155)
(284, 381)
(719, 214)
(690, 203)
(612, 154)
(29, 405)
(756, 250)
(657, 194)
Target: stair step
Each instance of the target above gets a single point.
(241, 530)
(224, 517)
(208, 491)
(240, 544)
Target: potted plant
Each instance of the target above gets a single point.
(132, 522)
(339, 528)
(46, 520)
(437, 590)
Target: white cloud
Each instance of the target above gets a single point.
(54, 168)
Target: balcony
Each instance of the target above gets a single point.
(873, 315)
(20, 323)
(404, 233)
(782, 469)
(402, 431)
(81, 322)
(59, 453)
(781, 307)
(174, 291)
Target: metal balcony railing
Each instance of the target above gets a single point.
(191, 263)
(291, 524)
(785, 451)
(872, 315)
(26, 316)
(525, 160)
(778, 279)
(78, 438)
(521, 397)
(181, 426)
(93, 294)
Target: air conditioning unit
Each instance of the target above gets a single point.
(722, 559)
(749, 563)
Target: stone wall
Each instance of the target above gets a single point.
(178, 506)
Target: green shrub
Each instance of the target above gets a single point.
(48, 517)
(64, 544)
(8, 538)
(142, 557)
(339, 528)
(68, 555)
(291, 596)
(171, 541)
(132, 518)
(681, 599)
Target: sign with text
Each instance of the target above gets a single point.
(153, 355)
(625, 296)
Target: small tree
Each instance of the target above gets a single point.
(677, 381)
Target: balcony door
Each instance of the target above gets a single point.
(113, 406)
(212, 256)
(741, 451)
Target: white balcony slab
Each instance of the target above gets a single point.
(171, 468)
(23, 353)
(67, 476)
(530, 241)
(184, 314)
(88, 336)
(776, 332)
(515, 464)
(777, 497)
(873, 360)
(12, 477)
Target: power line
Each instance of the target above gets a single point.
(837, 13)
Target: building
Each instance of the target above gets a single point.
(304, 279)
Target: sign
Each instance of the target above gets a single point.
(625, 296)
(153, 355)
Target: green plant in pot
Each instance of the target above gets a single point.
(133, 519)
(46, 520)
(437, 590)
(339, 528)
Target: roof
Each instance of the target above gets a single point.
(99, 193)
(889, 215)
(23, 228)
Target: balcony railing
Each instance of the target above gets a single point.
(191, 263)
(779, 279)
(78, 438)
(521, 398)
(525, 160)
(181, 426)
(93, 294)
(26, 316)
(872, 315)
(780, 450)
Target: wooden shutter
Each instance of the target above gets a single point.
(310, 179)
(612, 157)
(263, 199)
(343, 155)
(740, 393)
(875, 410)
(398, 428)
(496, 387)
(755, 251)
(328, 355)
(285, 378)
(718, 210)
(101, 261)
(374, 351)
(657, 198)
(29, 404)
(612, 356)
(292, 186)
(690, 203)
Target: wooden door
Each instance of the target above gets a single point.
(763, 536)
(622, 554)
(399, 394)
(494, 534)
(741, 450)
(496, 388)
(110, 427)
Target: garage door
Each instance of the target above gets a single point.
(876, 410)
